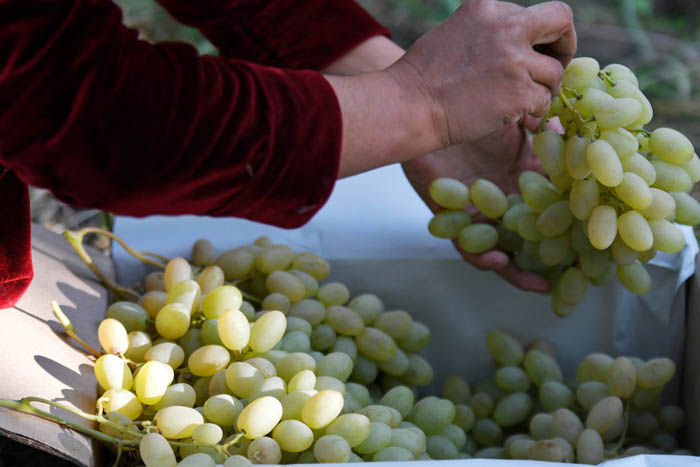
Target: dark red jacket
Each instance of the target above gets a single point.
(105, 120)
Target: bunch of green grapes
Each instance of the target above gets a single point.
(251, 356)
(612, 193)
(528, 410)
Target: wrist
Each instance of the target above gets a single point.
(375, 53)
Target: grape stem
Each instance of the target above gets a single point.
(70, 329)
(623, 436)
(580, 122)
(605, 76)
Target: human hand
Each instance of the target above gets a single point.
(499, 157)
(480, 70)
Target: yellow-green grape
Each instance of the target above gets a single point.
(120, 419)
(328, 382)
(293, 436)
(333, 293)
(594, 367)
(131, 315)
(290, 365)
(177, 422)
(173, 321)
(563, 182)
(671, 418)
(295, 324)
(310, 284)
(641, 166)
(560, 307)
(432, 415)
(399, 365)
(504, 348)
(667, 237)
(273, 386)
(295, 341)
(575, 157)
(449, 193)
(588, 393)
(311, 310)
(197, 459)
(512, 409)
(693, 168)
(642, 424)
(208, 360)
(602, 227)
(368, 306)
(625, 89)
(203, 253)
(177, 269)
(381, 413)
(152, 380)
(332, 448)
(512, 379)
(152, 301)
(555, 220)
(655, 373)
(621, 253)
(191, 341)
(234, 329)
(617, 113)
(155, 281)
(482, 404)
(322, 408)
(353, 428)
(273, 258)
(541, 367)
(187, 293)
(304, 379)
(687, 209)
(413, 439)
(464, 417)
(166, 352)
(647, 399)
(540, 426)
(400, 398)
(286, 284)
(634, 191)
(344, 321)
(487, 433)
(537, 191)
(365, 370)
(634, 277)
(236, 263)
(670, 177)
(312, 264)
(590, 448)
(122, 401)
(580, 72)
(604, 414)
(375, 344)
(566, 425)
(594, 263)
(478, 238)
(635, 231)
(226, 297)
(448, 224)
(662, 206)
(419, 371)
(546, 450)
(572, 287)
(267, 332)
(622, 377)
(259, 417)
(549, 147)
(415, 339)
(379, 438)
(209, 333)
(242, 378)
(604, 163)
(112, 372)
(453, 433)
(113, 336)
(264, 450)
(323, 337)
(360, 393)
(336, 364)
(590, 99)
(177, 394)
(671, 146)
(618, 72)
(519, 448)
(457, 390)
(293, 403)
(395, 323)
(512, 216)
(624, 142)
(155, 451)
(438, 447)
(555, 395)
(527, 227)
(347, 346)
(139, 343)
(276, 301)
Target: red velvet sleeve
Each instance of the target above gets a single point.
(287, 33)
(105, 120)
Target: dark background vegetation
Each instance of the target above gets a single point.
(658, 39)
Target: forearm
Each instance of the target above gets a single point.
(376, 53)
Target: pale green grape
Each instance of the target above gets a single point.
(286, 284)
(432, 415)
(298, 324)
(620, 72)
(670, 177)
(395, 323)
(210, 278)
(293, 436)
(293, 402)
(242, 378)
(478, 238)
(173, 321)
(113, 336)
(353, 428)
(655, 373)
(400, 398)
(579, 238)
(234, 329)
(621, 253)
(693, 168)
(222, 409)
(152, 301)
(537, 191)
(594, 263)
(622, 377)
(259, 417)
(177, 394)
(487, 433)
(549, 147)
(504, 348)
(155, 281)
(527, 227)
(624, 142)
(197, 459)
(509, 241)
(448, 224)
(625, 89)
(635, 231)
(411, 439)
(512, 409)
(264, 450)
(449, 193)
(547, 450)
(304, 379)
(379, 437)
(273, 258)
(203, 252)
(575, 157)
(519, 448)
(364, 371)
(382, 413)
(208, 360)
(595, 366)
(464, 417)
(331, 448)
(191, 341)
(112, 372)
(555, 220)
(643, 424)
(512, 379)
(687, 209)
(177, 422)
(322, 408)
(236, 263)
(276, 300)
(641, 166)
(312, 264)
(634, 191)
(566, 425)
(590, 99)
(646, 256)
(617, 113)
(634, 277)
(540, 426)
(336, 364)
(589, 448)
(208, 433)
(671, 418)
(662, 206)
(580, 72)
(131, 315)
(368, 306)
(562, 182)
(604, 163)
(333, 293)
(156, 452)
(553, 250)
(247, 310)
(555, 395)
(376, 344)
(399, 365)
(457, 390)
(323, 337)
(139, 344)
(209, 332)
(482, 403)
(541, 367)
(347, 346)
(419, 371)
(296, 341)
(290, 365)
(511, 218)
(310, 284)
(438, 447)
(344, 321)
(267, 332)
(187, 293)
(572, 288)
(604, 414)
(177, 269)
(667, 237)
(311, 310)
(602, 227)
(166, 352)
(671, 146)
(122, 401)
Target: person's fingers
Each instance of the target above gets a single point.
(529, 281)
(532, 123)
(539, 100)
(491, 260)
(546, 71)
(551, 24)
